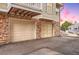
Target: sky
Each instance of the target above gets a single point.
(70, 12)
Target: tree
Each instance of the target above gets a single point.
(65, 25)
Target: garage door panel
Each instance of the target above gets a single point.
(46, 30)
(23, 31)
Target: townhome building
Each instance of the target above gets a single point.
(28, 21)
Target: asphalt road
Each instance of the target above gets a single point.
(47, 46)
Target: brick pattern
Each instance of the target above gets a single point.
(38, 29)
(3, 29)
(56, 29)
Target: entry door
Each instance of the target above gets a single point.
(23, 31)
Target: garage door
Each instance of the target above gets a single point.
(46, 29)
(23, 30)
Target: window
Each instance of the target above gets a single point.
(3, 5)
(49, 8)
(75, 28)
(45, 7)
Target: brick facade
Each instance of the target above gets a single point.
(38, 29)
(56, 29)
(3, 29)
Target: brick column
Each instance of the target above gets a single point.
(56, 29)
(38, 29)
(3, 29)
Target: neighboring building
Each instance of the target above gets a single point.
(74, 28)
(27, 21)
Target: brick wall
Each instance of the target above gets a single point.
(38, 29)
(3, 29)
(56, 29)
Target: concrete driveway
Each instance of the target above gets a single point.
(48, 46)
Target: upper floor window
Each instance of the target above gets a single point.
(3, 5)
(33, 5)
(48, 7)
(44, 7)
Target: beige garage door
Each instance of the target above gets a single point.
(23, 30)
(46, 30)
